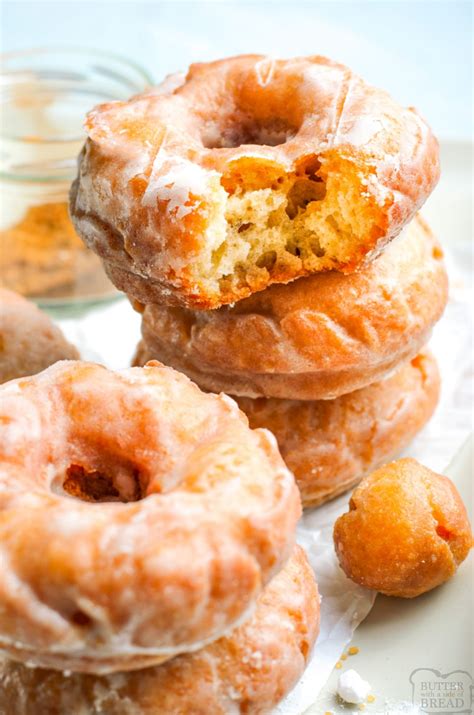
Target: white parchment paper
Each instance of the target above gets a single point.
(109, 335)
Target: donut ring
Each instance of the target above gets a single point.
(329, 445)
(29, 340)
(317, 338)
(249, 671)
(250, 172)
(208, 515)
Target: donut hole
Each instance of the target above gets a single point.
(93, 485)
(236, 132)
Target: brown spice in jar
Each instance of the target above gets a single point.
(43, 257)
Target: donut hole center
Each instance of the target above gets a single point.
(244, 131)
(96, 485)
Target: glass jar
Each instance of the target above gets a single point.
(44, 97)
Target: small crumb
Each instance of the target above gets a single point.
(353, 650)
(328, 712)
(343, 656)
(338, 665)
(352, 688)
(371, 699)
(362, 706)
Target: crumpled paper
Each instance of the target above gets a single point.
(109, 335)
(343, 604)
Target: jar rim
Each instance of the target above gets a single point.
(142, 79)
(6, 57)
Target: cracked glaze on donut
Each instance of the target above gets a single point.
(247, 172)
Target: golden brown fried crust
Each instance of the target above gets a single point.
(29, 340)
(317, 338)
(406, 532)
(194, 514)
(330, 444)
(250, 670)
(221, 119)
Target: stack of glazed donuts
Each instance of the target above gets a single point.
(147, 548)
(262, 215)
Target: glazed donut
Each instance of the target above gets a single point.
(406, 532)
(196, 514)
(29, 340)
(249, 172)
(330, 444)
(249, 671)
(317, 338)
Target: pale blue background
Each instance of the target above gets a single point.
(419, 50)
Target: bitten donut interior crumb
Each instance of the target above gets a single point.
(310, 219)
